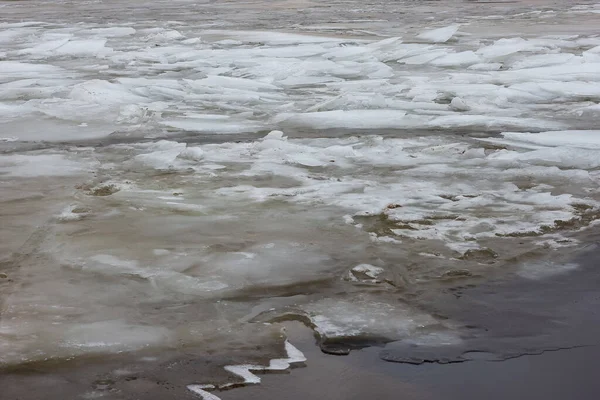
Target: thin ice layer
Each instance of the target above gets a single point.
(294, 356)
(364, 317)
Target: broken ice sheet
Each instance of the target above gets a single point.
(142, 154)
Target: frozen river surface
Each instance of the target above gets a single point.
(176, 176)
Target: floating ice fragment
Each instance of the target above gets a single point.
(200, 390)
(218, 124)
(459, 104)
(369, 270)
(457, 59)
(363, 315)
(92, 47)
(348, 219)
(274, 135)
(353, 119)
(462, 121)
(273, 38)
(163, 158)
(542, 60)
(306, 160)
(28, 70)
(104, 92)
(192, 153)
(294, 356)
(192, 41)
(365, 273)
(588, 139)
(117, 31)
(504, 47)
(486, 67)
(234, 83)
(423, 58)
(440, 35)
(164, 35)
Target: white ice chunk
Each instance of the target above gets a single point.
(163, 158)
(486, 67)
(457, 59)
(28, 70)
(192, 153)
(104, 92)
(556, 74)
(542, 60)
(294, 356)
(566, 157)
(561, 90)
(424, 58)
(117, 31)
(370, 270)
(11, 35)
(504, 47)
(459, 104)
(461, 121)
(243, 371)
(47, 46)
(92, 47)
(359, 272)
(362, 315)
(209, 123)
(233, 83)
(163, 35)
(440, 35)
(272, 38)
(352, 119)
(583, 139)
(199, 390)
(274, 135)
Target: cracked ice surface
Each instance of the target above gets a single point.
(161, 180)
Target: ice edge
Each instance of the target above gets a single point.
(245, 371)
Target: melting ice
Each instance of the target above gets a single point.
(168, 183)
